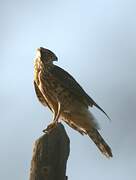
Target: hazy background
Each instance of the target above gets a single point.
(96, 42)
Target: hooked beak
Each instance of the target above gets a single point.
(56, 59)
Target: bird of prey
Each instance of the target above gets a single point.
(67, 100)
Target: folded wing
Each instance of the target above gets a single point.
(72, 85)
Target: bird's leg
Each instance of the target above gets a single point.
(56, 115)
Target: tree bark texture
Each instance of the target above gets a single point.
(50, 155)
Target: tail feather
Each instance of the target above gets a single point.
(100, 143)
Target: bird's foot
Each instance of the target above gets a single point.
(50, 127)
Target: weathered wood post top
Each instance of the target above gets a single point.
(50, 155)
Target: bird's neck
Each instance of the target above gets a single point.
(48, 66)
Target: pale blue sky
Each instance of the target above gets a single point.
(96, 42)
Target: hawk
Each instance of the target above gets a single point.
(67, 100)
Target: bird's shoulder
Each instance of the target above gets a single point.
(69, 82)
(62, 74)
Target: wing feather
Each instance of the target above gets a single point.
(72, 85)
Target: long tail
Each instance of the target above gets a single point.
(100, 143)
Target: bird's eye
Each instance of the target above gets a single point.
(38, 54)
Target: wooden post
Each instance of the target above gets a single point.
(50, 155)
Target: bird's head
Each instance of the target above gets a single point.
(45, 55)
